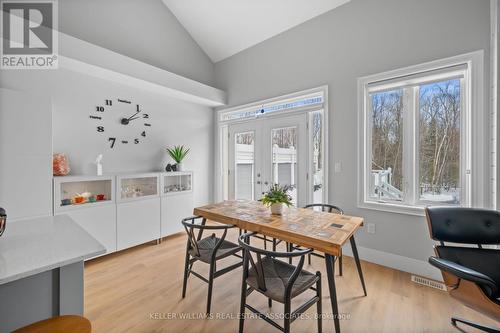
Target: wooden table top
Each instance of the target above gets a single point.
(324, 232)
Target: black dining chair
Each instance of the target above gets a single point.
(278, 281)
(208, 250)
(471, 274)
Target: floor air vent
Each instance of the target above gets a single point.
(427, 282)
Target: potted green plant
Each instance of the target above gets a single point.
(276, 197)
(177, 153)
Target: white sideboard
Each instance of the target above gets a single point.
(126, 210)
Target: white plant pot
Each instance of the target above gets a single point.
(179, 167)
(277, 208)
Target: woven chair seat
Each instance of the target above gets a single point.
(206, 248)
(277, 274)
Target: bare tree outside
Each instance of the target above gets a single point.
(285, 137)
(317, 146)
(439, 144)
(245, 138)
(387, 144)
(317, 139)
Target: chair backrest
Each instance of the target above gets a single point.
(326, 208)
(475, 278)
(190, 226)
(463, 225)
(257, 264)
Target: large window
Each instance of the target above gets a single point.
(416, 137)
(433, 109)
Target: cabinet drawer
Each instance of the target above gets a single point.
(173, 209)
(100, 222)
(138, 222)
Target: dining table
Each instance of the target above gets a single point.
(321, 231)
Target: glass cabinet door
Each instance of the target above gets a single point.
(177, 182)
(138, 186)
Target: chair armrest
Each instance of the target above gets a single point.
(463, 272)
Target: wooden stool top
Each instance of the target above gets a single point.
(62, 324)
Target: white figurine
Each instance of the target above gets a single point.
(98, 162)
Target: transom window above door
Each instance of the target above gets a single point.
(290, 104)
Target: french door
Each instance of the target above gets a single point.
(268, 151)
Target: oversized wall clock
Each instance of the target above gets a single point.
(127, 115)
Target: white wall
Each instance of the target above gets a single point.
(25, 154)
(359, 38)
(74, 98)
(145, 30)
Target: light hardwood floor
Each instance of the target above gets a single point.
(139, 290)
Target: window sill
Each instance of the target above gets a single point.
(393, 208)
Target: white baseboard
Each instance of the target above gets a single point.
(405, 264)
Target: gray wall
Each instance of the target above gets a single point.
(145, 30)
(360, 38)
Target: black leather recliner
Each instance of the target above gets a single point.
(471, 274)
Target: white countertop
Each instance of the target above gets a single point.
(37, 245)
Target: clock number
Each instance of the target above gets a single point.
(147, 125)
(145, 116)
(136, 141)
(143, 133)
(138, 109)
(113, 140)
(109, 102)
(124, 142)
(99, 108)
(100, 129)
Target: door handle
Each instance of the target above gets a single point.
(258, 182)
(266, 183)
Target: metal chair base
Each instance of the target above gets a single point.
(483, 328)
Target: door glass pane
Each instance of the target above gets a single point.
(317, 148)
(284, 158)
(244, 168)
(386, 180)
(439, 142)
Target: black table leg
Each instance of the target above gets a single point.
(330, 275)
(358, 264)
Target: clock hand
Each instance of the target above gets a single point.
(130, 118)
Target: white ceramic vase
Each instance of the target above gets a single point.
(179, 167)
(277, 208)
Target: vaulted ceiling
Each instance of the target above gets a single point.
(223, 28)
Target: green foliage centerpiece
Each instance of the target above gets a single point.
(276, 197)
(177, 153)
